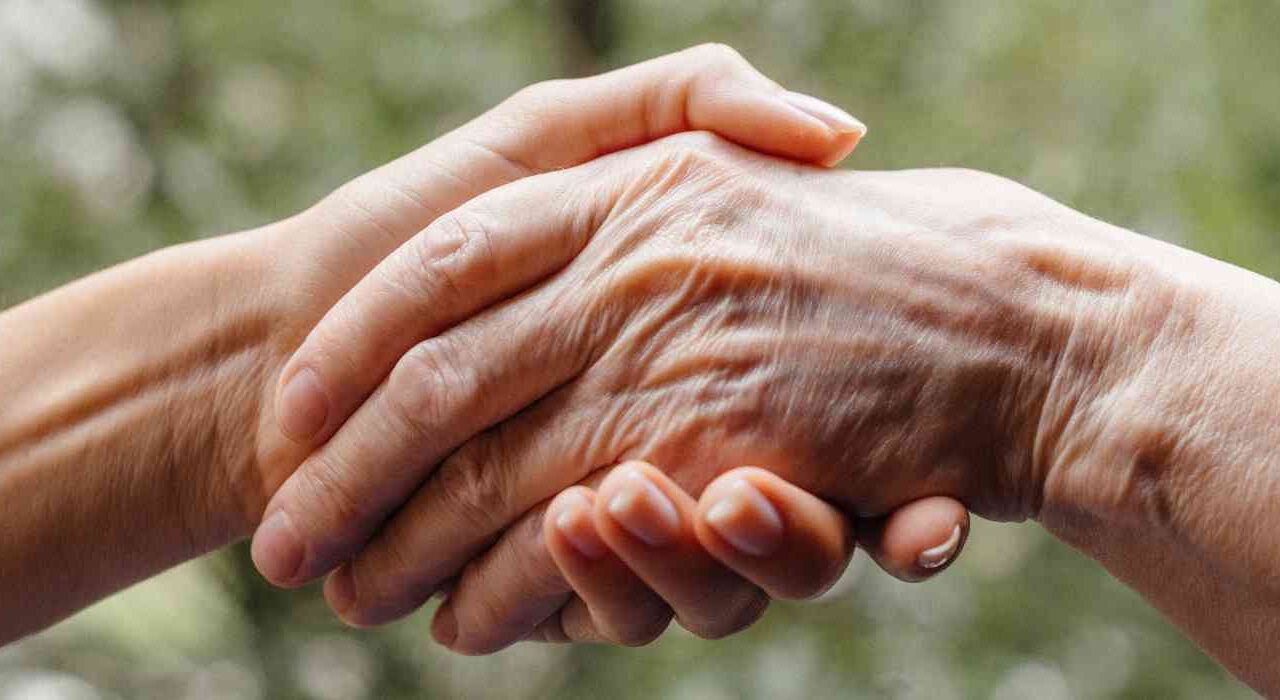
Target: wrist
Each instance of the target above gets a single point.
(252, 329)
(1102, 301)
(1174, 431)
(214, 337)
(278, 289)
(1171, 477)
(129, 400)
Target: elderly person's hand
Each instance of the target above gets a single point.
(323, 252)
(872, 337)
(543, 128)
(137, 428)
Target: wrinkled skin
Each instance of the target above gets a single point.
(132, 446)
(873, 337)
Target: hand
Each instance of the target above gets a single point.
(639, 548)
(617, 562)
(319, 255)
(872, 337)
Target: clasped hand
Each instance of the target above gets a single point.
(563, 286)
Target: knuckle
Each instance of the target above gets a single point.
(362, 198)
(697, 160)
(718, 56)
(455, 250)
(535, 95)
(388, 583)
(429, 385)
(325, 484)
(475, 485)
(474, 231)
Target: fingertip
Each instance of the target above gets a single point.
(340, 593)
(745, 518)
(844, 146)
(812, 541)
(634, 498)
(444, 626)
(938, 555)
(922, 538)
(276, 550)
(779, 123)
(570, 520)
(302, 406)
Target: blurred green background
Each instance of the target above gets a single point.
(125, 126)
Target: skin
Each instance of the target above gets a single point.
(138, 429)
(873, 338)
(638, 551)
(783, 542)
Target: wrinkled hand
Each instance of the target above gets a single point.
(872, 337)
(326, 250)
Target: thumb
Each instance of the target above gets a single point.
(918, 540)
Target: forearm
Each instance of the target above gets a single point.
(127, 396)
(1169, 474)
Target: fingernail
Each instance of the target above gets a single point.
(643, 510)
(445, 627)
(276, 550)
(835, 118)
(935, 557)
(303, 407)
(341, 591)
(574, 522)
(747, 520)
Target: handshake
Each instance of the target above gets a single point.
(626, 349)
(507, 321)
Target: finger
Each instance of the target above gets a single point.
(445, 389)
(918, 540)
(511, 573)
(647, 520)
(500, 597)
(547, 127)
(471, 498)
(497, 475)
(623, 609)
(788, 542)
(503, 595)
(572, 624)
(457, 384)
